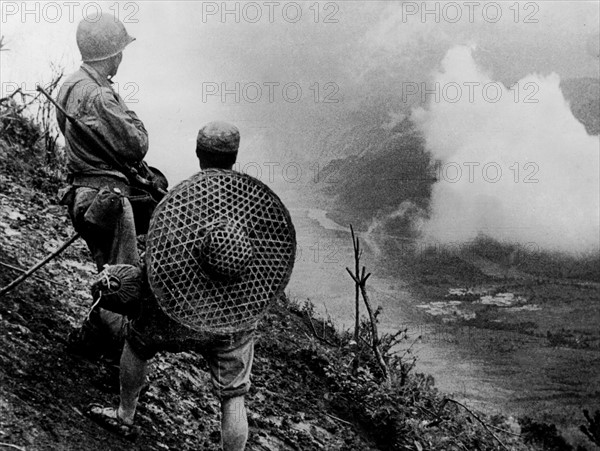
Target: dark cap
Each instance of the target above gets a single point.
(218, 138)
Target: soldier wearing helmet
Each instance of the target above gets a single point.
(103, 39)
(97, 197)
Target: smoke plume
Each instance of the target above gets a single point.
(515, 164)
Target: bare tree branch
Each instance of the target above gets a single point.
(356, 246)
(2, 45)
(483, 423)
(360, 280)
(4, 99)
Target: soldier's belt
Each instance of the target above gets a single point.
(101, 181)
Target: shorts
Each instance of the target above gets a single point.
(229, 356)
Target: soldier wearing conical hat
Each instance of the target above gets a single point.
(221, 246)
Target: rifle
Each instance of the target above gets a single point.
(37, 266)
(131, 172)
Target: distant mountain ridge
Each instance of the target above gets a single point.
(378, 180)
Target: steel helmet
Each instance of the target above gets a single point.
(101, 39)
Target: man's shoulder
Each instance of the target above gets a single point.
(74, 79)
(81, 82)
(81, 85)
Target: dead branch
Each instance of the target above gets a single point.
(357, 254)
(338, 419)
(360, 281)
(365, 341)
(315, 333)
(592, 430)
(375, 337)
(2, 44)
(483, 423)
(10, 445)
(4, 99)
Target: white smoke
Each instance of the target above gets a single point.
(377, 233)
(515, 164)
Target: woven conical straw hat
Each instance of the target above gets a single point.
(220, 247)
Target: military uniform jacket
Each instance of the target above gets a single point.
(89, 98)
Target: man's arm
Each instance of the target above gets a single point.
(121, 129)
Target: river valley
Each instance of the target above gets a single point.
(511, 347)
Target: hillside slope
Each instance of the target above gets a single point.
(306, 393)
(44, 390)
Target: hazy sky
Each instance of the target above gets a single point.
(293, 71)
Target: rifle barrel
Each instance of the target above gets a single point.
(56, 104)
(34, 268)
(130, 172)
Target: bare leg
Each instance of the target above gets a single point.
(234, 424)
(133, 375)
